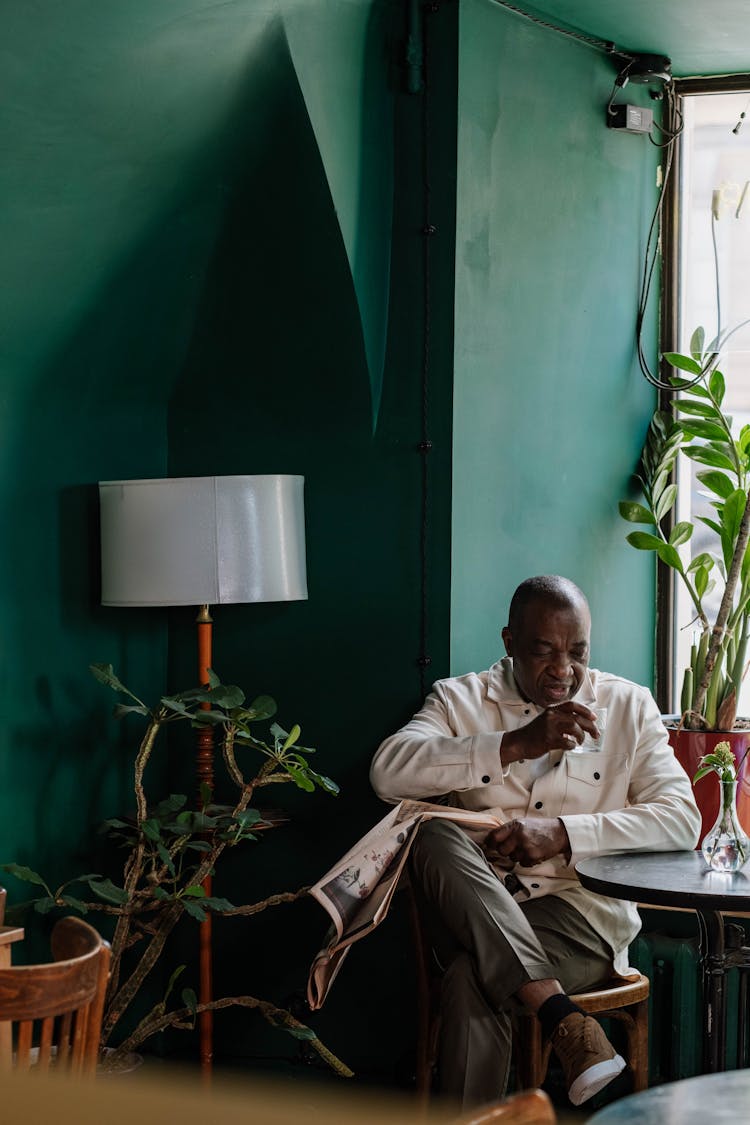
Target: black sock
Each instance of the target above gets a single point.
(553, 1010)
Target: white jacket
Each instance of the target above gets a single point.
(629, 794)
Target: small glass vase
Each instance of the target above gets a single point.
(725, 846)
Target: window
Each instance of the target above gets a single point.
(708, 284)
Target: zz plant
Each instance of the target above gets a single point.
(698, 427)
(170, 849)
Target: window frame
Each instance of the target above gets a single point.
(665, 688)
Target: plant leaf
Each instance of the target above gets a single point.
(703, 409)
(44, 905)
(665, 502)
(75, 903)
(708, 456)
(718, 483)
(669, 555)
(151, 828)
(682, 362)
(300, 778)
(703, 560)
(697, 344)
(24, 873)
(189, 999)
(217, 903)
(680, 533)
(263, 707)
(193, 909)
(195, 891)
(635, 513)
(702, 428)
(291, 738)
(717, 386)
(643, 540)
(120, 710)
(108, 891)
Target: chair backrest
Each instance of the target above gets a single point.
(529, 1107)
(55, 1009)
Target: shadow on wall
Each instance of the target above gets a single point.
(276, 381)
(227, 340)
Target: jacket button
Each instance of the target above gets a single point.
(486, 779)
(538, 805)
(597, 776)
(535, 886)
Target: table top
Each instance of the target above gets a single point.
(718, 1098)
(666, 879)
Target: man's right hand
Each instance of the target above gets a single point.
(557, 728)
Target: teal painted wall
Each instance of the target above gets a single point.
(212, 262)
(550, 409)
(200, 210)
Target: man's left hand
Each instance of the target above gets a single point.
(528, 840)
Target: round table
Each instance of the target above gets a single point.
(722, 1099)
(683, 879)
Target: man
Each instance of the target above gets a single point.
(573, 762)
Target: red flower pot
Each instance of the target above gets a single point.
(689, 747)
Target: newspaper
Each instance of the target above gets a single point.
(357, 891)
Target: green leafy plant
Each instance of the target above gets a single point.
(171, 850)
(698, 427)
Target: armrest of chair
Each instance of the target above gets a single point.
(8, 934)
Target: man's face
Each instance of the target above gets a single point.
(550, 650)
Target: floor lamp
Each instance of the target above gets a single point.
(203, 541)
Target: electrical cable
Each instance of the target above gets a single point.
(651, 254)
(670, 134)
(716, 274)
(721, 337)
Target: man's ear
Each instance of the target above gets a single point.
(507, 640)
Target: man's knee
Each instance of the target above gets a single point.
(435, 841)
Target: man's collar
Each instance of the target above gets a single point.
(502, 687)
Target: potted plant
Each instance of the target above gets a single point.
(170, 849)
(698, 427)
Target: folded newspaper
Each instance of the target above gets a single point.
(357, 891)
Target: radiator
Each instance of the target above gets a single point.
(675, 1021)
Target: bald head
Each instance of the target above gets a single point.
(552, 590)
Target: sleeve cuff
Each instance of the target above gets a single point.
(486, 766)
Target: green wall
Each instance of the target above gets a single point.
(550, 409)
(200, 211)
(213, 263)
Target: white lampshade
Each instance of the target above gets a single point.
(202, 540)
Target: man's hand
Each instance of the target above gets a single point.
(557, 728)
(528, 841)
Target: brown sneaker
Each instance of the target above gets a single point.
(586, 1055)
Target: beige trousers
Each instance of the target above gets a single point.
(488, 945)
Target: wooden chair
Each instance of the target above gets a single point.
(8, 935)
(55, 1010)
(529, 1107)
(624, 1001)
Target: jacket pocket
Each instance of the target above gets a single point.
(595, 780)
